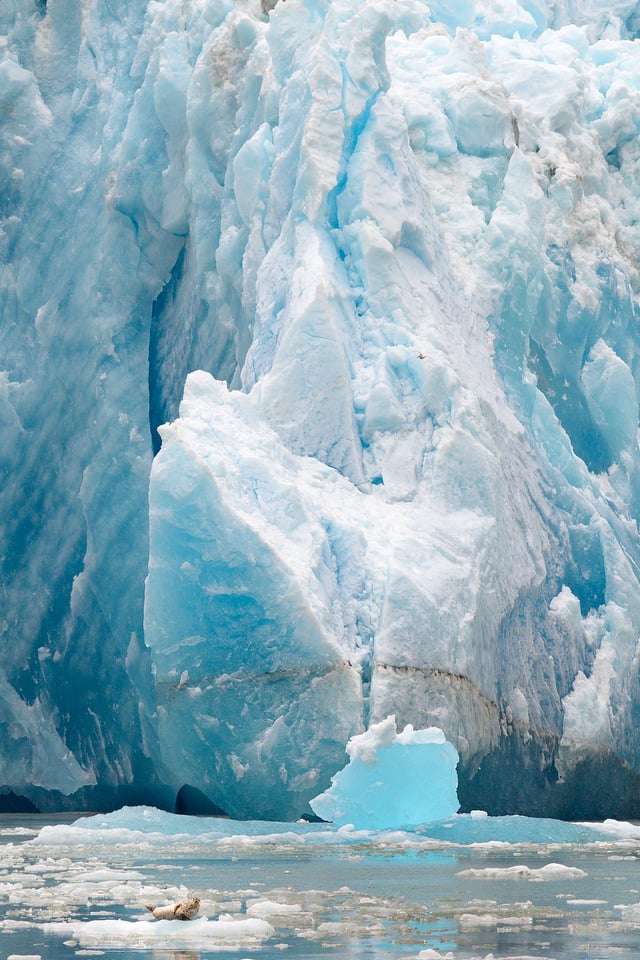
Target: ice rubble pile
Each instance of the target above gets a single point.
(377, 263)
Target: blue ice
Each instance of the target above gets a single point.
(393, 780)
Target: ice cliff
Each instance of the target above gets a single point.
(319, 366)
(392, 780)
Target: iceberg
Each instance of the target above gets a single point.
(393, 780)
(319, 399)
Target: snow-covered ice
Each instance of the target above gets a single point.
(198, 934)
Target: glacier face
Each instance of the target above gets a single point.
(318, 386)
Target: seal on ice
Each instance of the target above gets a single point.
(185, 910)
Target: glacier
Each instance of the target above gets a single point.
(454, 886)
(319, 369)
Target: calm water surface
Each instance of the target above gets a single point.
(274, 890)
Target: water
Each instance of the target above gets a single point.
(474, 887)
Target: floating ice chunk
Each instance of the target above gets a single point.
(619, 828)
(491, 831)
(199, 934)
(585, 903)
(491, 920)
(393, 779)
(520, 871)
(271, 908)
(630, 912)
(434, 955)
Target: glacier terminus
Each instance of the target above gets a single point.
(319, 399)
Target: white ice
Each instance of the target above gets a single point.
(198, 934)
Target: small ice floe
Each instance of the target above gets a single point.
(551, 871)
(429, 954)
(586, 903)
(493, 920)
(185, 910)
(629, 911)
(200, 934)
(271, 908)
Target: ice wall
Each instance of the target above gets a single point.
(393, 781)
(400, 245)
(76, 293)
